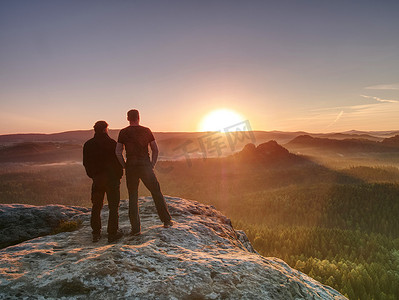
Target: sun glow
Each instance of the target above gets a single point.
(219, 120)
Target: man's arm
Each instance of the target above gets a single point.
(154, 152)
(119, 154)
(88, 160)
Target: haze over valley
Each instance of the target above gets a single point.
(327, 204)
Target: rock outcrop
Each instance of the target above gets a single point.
(268, 153)
(20, 222)
(200, 257)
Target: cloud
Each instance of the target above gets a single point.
(346, 107)
(371, 115)
(336, 118)
(379, 99)
(392, 86)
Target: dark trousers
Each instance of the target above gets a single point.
(144, 172)
(103, 184)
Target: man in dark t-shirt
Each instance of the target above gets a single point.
(135, 139)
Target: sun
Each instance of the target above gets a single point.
(220, 120)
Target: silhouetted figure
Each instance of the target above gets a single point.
(103, 167)
(135, 139)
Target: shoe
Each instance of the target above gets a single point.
(96, 237)
(168, 224)
(114, 237)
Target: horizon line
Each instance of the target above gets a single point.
(288, 131)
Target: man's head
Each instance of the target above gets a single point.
(100, 127)
(133, 115)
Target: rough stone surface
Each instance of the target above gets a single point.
(20, 222)
(200, 257)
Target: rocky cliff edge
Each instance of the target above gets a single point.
(200, 257)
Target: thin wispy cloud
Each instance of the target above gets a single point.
(346, 107)
(380, 99)
(392, 86)
(336, 119)
(340, 118)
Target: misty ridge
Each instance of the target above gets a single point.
(67, 146)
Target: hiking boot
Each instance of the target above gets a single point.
(96, 237)
(168, 224)
(114, 237)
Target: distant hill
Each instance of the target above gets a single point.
(172, 145)
(282, 137)
(69, 136)
(67, 146)
(45, 152)
(381, 134)
(342, 136)
(345, 145)
(392, 141)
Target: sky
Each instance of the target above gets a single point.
(316, 66)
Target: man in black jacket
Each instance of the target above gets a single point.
(103, 167)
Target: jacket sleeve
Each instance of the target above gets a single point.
(87, 160)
